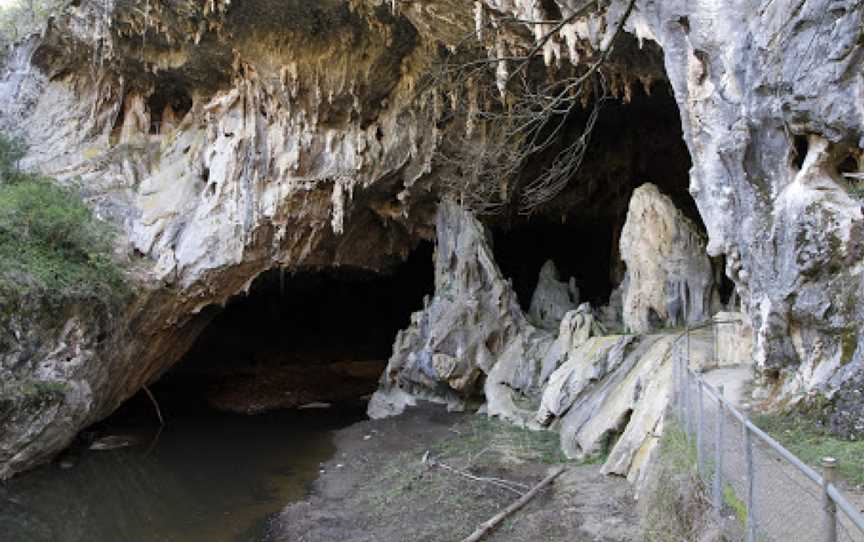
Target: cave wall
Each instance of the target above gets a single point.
(303, 146)
(753, 81)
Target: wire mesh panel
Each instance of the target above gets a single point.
(733, 470)
(787, 503)
(751, 478)
(706, 453)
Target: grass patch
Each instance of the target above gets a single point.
(808, 439)
(738, 507)
(482, 434)
(51, 244)
(676, 507)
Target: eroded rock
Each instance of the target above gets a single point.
(552, 298)
(293, 136)
(669, 276)
(458, 337)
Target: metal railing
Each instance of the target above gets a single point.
(773, 494)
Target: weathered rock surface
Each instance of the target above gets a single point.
(669, 279)
(591, 388)
(552, 298)
(456, 339)
(222, 142)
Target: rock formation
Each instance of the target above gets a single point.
(456, 339)
(225, 139)
(602, 393)
(669, 278)
(552, 298)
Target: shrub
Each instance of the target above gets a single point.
(51, 245)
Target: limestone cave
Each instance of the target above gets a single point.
(633, 142)
(365, 269)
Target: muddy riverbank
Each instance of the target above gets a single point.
(377, 487)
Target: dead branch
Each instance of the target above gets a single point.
(155, 405)
(430, 461)
(511, 116)
(487, 527)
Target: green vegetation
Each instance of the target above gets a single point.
(51, 245)
(481, 434)
(738, 507)
(676, 506)
(807, 438)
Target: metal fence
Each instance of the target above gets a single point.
(774, 495)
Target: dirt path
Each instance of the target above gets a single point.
(377, 488)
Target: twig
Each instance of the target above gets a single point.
(155, 405)
(486, 527)
(505, 484)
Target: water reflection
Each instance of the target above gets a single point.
(213, 477)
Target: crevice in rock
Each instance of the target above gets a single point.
(800, 147)
(168, 104)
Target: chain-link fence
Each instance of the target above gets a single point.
(774, 495)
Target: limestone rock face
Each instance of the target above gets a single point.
(583, 384)
(576, 328)
(769, 95)
(473, 318)
(669, 277)
(615, 387)
(552, 298)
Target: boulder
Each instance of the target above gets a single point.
(472, 319)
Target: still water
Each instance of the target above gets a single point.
(206, 476)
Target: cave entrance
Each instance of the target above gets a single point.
(579, 230)
(303, 338)
(296, 339)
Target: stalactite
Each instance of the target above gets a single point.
(502, 72)
(479, 20)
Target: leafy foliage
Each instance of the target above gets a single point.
(50, 242)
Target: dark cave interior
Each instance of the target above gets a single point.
(631, 144)
(321, 335)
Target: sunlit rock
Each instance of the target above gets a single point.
(669, 276)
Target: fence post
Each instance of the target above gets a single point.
(716, 344)
(829, 465)
(688, 396)
(751, 484)
(685, 388)
(682, 399)
(718, 454)
(700, 427)
(676, 388)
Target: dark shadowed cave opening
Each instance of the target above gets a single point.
(632, 143)
(308, 336)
